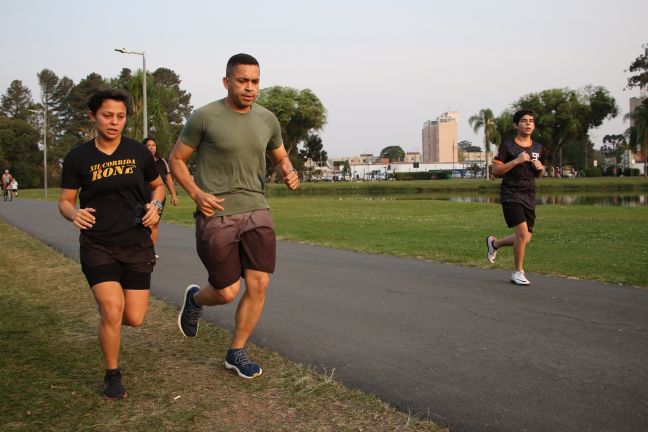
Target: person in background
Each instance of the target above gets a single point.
(519, 161)
(165, 174)
(14, 188)
(7, 178)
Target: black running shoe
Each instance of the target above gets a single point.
(189, 313)
(113, 388)
(239, 360)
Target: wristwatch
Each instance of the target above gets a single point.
(159, 205)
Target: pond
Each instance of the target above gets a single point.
(580, 198)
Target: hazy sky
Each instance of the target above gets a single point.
(381, 68)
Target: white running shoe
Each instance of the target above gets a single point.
(491, 252)
(518, 278)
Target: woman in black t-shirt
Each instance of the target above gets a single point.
(165, 174)
(114, 178)
(519, 161)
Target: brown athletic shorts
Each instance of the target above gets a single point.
(227, 245)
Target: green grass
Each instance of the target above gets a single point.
(545, 185)
(582, 241)
(51, 367)
(602, 243)
(589, 242)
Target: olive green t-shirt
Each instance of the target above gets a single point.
(231, 149)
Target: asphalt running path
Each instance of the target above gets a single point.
(459, 345)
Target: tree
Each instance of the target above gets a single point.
(504, 126)
(135, 122)
(48, 81)
(17, 102)
(639, 67)
(300, 114)
(178, 107)
(62, 140)
(486, 121)
(565, 116)
(76, 106)
(20, 153)
(393, 153)
(168, 105)
(463, 145)
(474, 169)
(314, 151)
(122, 80)
(639, 133)
(614, 146)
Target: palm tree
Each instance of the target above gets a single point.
(639, 132)
(485, 120)
(158, 121)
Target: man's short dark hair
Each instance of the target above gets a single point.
(521, 113)
(239, 59)
(98, 98)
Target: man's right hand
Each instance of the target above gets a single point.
(208, 203)
(522, 158)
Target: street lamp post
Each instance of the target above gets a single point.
(44, 148)
(144, 111)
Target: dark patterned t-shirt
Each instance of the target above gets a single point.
(518, 185)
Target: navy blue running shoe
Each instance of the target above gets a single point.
(113, 388)
(189, 313)
(239, 360)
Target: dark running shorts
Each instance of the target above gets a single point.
(131, 265)
(516, 213)
(227, 245)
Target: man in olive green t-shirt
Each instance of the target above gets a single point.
(234, 232)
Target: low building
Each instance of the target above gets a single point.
(411, 157)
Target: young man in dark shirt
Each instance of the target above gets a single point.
(114, 178)
(519, 161)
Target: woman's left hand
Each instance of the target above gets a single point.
(151, 217)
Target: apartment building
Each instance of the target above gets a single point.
(439, 139)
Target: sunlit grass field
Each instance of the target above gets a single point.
(583, 241)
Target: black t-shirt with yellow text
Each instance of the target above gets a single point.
(115, 186)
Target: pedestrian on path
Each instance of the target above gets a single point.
(519, 161)
(14, 188)
(165, 174)
(7, 178)
(235, 235)
(114, 177)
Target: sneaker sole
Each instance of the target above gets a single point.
(488, 251)
(115, 398)
(231, 366)
(184, 303)
(520, 283)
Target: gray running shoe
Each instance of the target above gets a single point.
(491, 252)
(518, 278)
